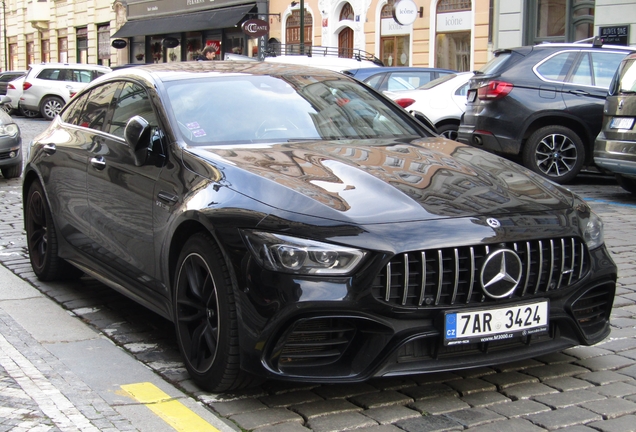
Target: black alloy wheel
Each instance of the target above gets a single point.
(42, 239)
(555, 152)
(205, 316)
(448, 131)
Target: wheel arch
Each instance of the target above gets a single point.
(29, 177)
(566, 121)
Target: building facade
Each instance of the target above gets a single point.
(454, 34)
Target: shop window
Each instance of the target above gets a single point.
(82, 44)
(453, 34)
(559, 20)
(103, 45)
(395, 40)
(193, 46)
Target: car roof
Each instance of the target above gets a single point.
(199, 69)
(364, 72)
(70, 65)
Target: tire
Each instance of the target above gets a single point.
(12, 171)
(42, 239)
(627, 183)
(51, 106)
(28, 113)
(205, 316)
(448, 131)
(555, 152)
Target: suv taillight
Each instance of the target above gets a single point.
(494, 90)
(26, 85)
(405, 102)
(10, 86)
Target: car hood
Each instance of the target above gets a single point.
(381, 182)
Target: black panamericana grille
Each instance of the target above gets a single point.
(451, 276)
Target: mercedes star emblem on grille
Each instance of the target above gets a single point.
(492, 222)
(501, 273)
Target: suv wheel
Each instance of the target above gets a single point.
(555, 152)
(28, 113)
(51, 106)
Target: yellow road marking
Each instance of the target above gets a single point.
(171, 411)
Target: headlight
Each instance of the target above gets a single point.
(287, 254)
(593, 233)
(9, 130)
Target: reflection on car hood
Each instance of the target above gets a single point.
(379, 181)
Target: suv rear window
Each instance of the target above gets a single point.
(496, 63)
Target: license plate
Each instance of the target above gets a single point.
(486, 325)
(472, 95)
(621, 123)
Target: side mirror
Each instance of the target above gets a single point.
(137, 136)
(5, 100)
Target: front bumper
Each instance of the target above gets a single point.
(10, 151)
(351, 338)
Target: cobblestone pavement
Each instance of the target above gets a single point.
(577, 390)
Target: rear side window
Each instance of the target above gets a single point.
(50, 74)
(556, 68)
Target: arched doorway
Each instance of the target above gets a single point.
(453, 34)
(292, 32)
(345, 37)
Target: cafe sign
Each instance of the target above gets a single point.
(405, 12)
(255, 28)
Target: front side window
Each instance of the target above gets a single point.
(133, 100)
(97, 105)
(281, 109)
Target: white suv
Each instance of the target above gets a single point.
(49, 86)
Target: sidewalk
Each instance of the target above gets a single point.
(57, 374)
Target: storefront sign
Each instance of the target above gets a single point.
(255, 28)
(455, 21)
(119, 43)
(405, 12)
(388, 27)
(147, 9)
(170, 42)
(615, 35)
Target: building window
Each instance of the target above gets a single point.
(13, 56)
(82, 44)
(347, 12)
(30, 50)
(103, 45)
(62, 49)
(45, 48)
(452, 39)
(559, 20)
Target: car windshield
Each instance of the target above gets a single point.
(627, 77)
(245, 109)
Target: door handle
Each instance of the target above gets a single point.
(98, 163)
(579, 92)
(49, 148)
(167, 197)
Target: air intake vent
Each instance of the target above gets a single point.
(592, 309)
(444, 277)
(316, 342)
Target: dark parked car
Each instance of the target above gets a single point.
(7, 76)
(542, 104)
(615, 146)
(295, 224)
(10, 144)
(397, 78)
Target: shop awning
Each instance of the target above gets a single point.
(208, 20)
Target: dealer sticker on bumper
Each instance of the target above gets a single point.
(486, 325)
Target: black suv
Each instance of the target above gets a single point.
(542, 104)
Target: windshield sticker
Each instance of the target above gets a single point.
(198, 133)
(193, 125)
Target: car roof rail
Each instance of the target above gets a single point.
(275, 50)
